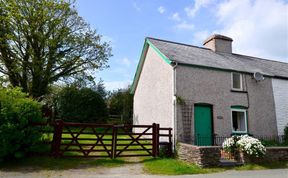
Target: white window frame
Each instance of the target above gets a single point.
(245, 120)
(241, 82)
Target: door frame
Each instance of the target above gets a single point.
(212, 120)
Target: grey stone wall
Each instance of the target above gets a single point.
(204, 156)
(272, 154)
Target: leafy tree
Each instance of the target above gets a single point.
(44, 41)
(81, 105)
(121, 103)
(100, 89)
(17, 136)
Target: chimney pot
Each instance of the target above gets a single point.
(219, 43)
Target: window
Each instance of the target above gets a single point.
(236, 81)
(239, 120)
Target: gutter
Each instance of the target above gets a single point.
(174, 64)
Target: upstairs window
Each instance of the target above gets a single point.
(236, 81)
(239, 120)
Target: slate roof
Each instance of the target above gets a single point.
(199, 56)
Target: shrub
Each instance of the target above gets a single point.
(17, 136)
(229, 144)
(286, 135)
(80, 105)
(249, 145)
(121, 103)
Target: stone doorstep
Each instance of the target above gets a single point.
(229, 163)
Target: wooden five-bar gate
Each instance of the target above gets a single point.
(96, 140)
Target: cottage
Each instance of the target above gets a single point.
(209, 92)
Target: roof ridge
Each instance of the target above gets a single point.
(184, 44)
(270, 60)
(210, 50)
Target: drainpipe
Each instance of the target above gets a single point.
(174, 64)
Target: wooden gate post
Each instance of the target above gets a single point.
(170, 143)
(155, 139)
(56, 142)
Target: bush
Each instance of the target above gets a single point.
(229, 144)
(286, 135)
(249, 145)
(121, 103)
(17, 136)
(80, 105)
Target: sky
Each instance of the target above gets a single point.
(258, 27)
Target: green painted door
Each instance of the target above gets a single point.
(203, 125)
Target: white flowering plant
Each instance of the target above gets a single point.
(249, 145)
(229, 144)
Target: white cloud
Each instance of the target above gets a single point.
(185, 26)
(258, 28)
(161, 9)
(114, 85)
(125, 61)
(181, 23)
(191, 11)
(176, 17)
(135, 6)
(200, 36)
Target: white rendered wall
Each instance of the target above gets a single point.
(153, 95)
(280, 91)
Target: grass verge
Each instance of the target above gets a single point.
(169, 166)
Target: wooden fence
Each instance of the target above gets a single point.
(96, 140)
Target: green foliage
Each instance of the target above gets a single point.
(17, 136)
(80, 105)
(169, 166)
(269, 143)
(286, 134)
(100, 88)
(121, 103)
(180, 100)
(43, 41)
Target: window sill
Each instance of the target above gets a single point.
(238, 91)
(239, 133)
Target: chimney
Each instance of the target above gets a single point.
(219, 43)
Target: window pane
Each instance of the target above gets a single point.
(234, 120)
(236, 81)
(238, 121)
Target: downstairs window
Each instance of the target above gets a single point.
(239, 120)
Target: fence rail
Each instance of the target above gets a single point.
(218, 140)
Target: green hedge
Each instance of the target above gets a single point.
(81, 105)
(17, 136)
